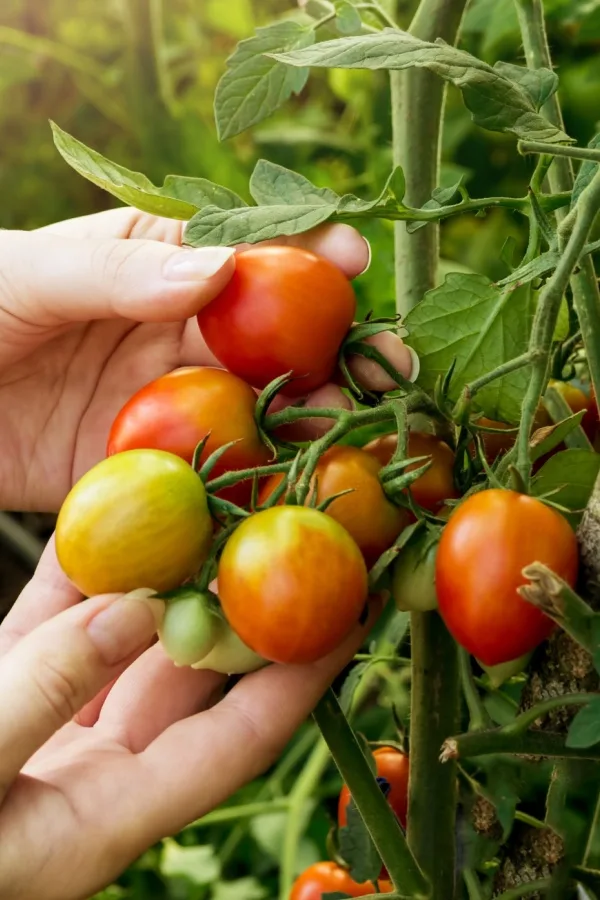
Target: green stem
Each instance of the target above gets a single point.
(558, 150)
(556, 599)
(497, 742)
(382, 824)
(541, 884)
(473, 885)
(478, 714)
(505, 369)
(593, 840)
(558, 409)
(233, 477)
(244, 811)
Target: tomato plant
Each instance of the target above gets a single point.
(366, 513)
(437, 483)
(391, 765)
(292, 583)
(484, 547)
(177, 411)
(284, 310)
(137, 519)
(325, 878)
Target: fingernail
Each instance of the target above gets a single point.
(126, 625)
(197, 265)
(416, 364)
(368, 265)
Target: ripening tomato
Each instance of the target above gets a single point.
(369, 517)
(578, 401)
(489, 539)
(292, 583)
(494, 442)
(392, 765)
(284, 310)
(437, 483)
(176, 411)
(328, 878)
(137, 519)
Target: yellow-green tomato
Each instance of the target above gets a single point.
(230, 655)
(191, 626)
(137, 519)
(413, 575)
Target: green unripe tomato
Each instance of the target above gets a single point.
(230, 656)
(413, 575)
(503, 671)
(191, 626)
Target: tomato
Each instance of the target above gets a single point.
(413, 575)
(495, 443)
(176, 411)
(578, 401)
(284, 310)
(137, 519)
(484, 547)
(369, 517)
(437, 483)
(230, 656)
(328, 878)
(292, 583)
(392, 765)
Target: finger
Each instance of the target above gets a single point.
(47, 593)
(327, 397)
(369, 373)
(219, 750)
(340, 243)
(62, 665)
(144, 281)
(153, 694)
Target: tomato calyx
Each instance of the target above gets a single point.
(355, 344)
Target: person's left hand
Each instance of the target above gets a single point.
(94, 308)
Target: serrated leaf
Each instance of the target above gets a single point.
(350, 685)
(440, 196)
(198, 864)
(584, 730)
(568, 478)
(255, 85)
(178, 198)
(272, 185)
(357, 847)
(496, 102)
(347, 19)
(540, 83)
(586, 172)
(212, 226)
(540, 266)
(469, 321)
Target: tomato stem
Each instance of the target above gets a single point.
(562, 604)
(525, 147)
(479, 715)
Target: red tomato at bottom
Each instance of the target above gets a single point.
(327, 878)
(392, 765)
(484, 547)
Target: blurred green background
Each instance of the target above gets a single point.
(134, 79)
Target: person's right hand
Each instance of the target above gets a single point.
(151, 747)
(90, 311)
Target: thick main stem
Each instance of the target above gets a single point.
(417, 109)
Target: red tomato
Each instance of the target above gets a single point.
(437, 484)
(176, 411)
(369, 517)
(292, 583)
(489, 539)
(493, 443)
(328, 878)
(392, 765)
(578, 400)
(284, 310)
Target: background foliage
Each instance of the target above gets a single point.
(135, 80)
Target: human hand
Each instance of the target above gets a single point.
(106, 746)
(94, 308)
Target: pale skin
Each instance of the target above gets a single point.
(105, 746)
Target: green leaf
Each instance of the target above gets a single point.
(178, 198)
(497, 102)
(268, 831)
(469, 321)
(348, 19)
(240, 889)
(255, 85)
(585, 727)
(568, 477)
(357, 847)
(198, 864)
(212, 226)
(272, 185)
(350, 685)
(499, 707)
(441, 196)
(556, 436)
(502, 791)
(540, 84)
(586, 172)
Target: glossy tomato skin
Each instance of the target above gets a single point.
(578, 401)
(137, 519)
(284, 310)
(328, 878)
(369, 517)
(176, 411)
(484, 547)
(437, 483)
(292, 583)
(393, 765)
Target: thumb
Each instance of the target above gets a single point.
(49, 280)
(61, 665)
